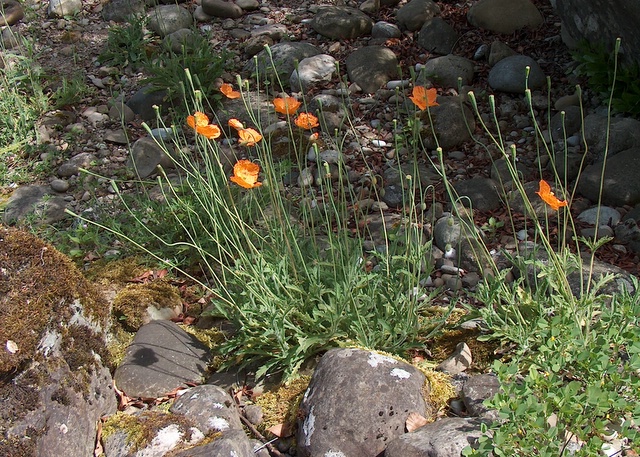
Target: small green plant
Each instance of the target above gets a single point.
(492, 226)
(206, 65)
(70, 92)
(572, 382)
(127, 44)
(597, 65)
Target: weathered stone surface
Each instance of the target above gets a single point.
(457, 362)
(371, 67)
(312, 70)
(357, 402)
(452, 122)
(12, 12)
(499, 51)
(143, 101)
(232, 443)
(209, 407)
(476, 390)
(414, 14)
(72, 166)
(436, 35)
(121, 10)
(221, 8)
(145, 157)
(504, 16)
(482, 193)
(161, 358)
(61, 8)
(600, 22)
(443, 438)
(446, 70)
(510, 75)
(341, 23)
(37, 202)
(281, 60)
(620, 134)
(55, 384)
(166, 19)
(621, 184)
(566, 122)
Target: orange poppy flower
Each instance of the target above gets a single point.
(424, 98)
(245, 174)
(287, 105)
(548, 197)
(306, 121)
(236, 124)
(249, 137)
(227, 91)
(200, 123)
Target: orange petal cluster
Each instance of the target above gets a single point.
(306, 121)
(287, 105)
(548, 197)
(249, 137)
(424, 98)
(236, 124)
(245, 174)
(227, 91)
(200, 123)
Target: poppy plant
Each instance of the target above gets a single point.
(245, 174)
(306, 121)
(200, 123)
(249, 137)
(424, 98)
(236, 124)
(227, 91)
(548, 197)
(287, 105)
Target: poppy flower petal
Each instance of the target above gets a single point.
(227, 91)
(287, 105)
(210, 131)
(423, 98)
(245, 174)
(549, 197)
(236, 124)
(306, 121)
(249, 137)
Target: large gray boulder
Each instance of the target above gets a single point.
(414, 14)
(371, 67)
(443, 438)
(161, 358)
(504, 16)
(619, 186)
(341, 23)
(357, 402)
(510, 75)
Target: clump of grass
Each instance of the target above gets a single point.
(127, 44)
(23, 101)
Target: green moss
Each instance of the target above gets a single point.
(142, 428)
(131, 303)
(119, 341)
(281, 406)
(39, 287)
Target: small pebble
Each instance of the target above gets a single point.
(59, 185)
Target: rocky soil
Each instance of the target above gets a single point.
(90, 134)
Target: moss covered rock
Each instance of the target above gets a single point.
(54, 380)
